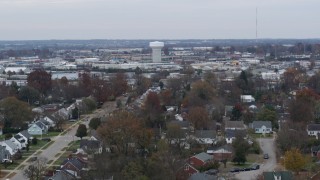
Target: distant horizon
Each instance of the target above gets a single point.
(154, 19)
(154, 39)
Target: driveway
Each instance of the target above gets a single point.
(267, 146)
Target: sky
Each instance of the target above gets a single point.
(158, 19)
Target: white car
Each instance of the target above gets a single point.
(6, 160)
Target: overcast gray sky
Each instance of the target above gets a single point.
(158, 19)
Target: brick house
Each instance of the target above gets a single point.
(191, 166)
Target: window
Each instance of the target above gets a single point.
(186, 168)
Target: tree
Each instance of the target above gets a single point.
(81, 131)
(16, 113)
(302, 109)
(40, 80)
(199, 117)
(293, 160)
(75, 113)
(94, 123)
(142, 84)
(241, 147)
(268, 114)
(122, 129)
(119, 84)
(28, 94)
(134, 170)
(236, 112)
(90, 104)
(36, 170)
(174, 135)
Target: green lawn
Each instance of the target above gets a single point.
(47, 145)
(74, 145)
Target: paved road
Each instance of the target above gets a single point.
(59, 143)
(267, 146)
(62, 141)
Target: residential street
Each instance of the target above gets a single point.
(267, 146)
(62, 141)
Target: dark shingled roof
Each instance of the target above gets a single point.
(313, 127)
(283, 175)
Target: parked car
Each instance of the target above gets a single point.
(46, 139)
(247, 169)
(34, 158)
(255, 167)
(6, 161)
(265, 156)
(236, 170)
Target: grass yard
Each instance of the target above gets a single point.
(74, 145)
(47, 145)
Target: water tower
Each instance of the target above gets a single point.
(156, 47)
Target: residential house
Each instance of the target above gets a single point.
(185, 172)
(234, 125)
(24, 135)
(50, 120)
(74, 166)
(221, 153)
(200, 159)
(315, 151)
(4, 153)
(261, 127)
(191, 166)
(313, 130)
(62, 175)
(246, 98)
(16, 142)
(10, 146)
(91, 146)
(205, 136)
(202, 176)
(38, 128)
(231, 134)
(278, 175)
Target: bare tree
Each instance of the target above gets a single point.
(36, 170)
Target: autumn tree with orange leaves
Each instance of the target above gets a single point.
(199, 117)
(122, 130)
(302, 109)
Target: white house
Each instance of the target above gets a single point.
(10, 146)
(37, 128)
(247, 98)
(313, 130)
(261, 127)
(205, 136)
(16, 142)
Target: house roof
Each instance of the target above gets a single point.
(285, 175)
(95, 135)
(234, 124)
(62, 175)
(4, 153)
(89, 144)
(205, 134)
(182, 124)
(202, 176)
(11, 144)
(25, 134)
(315, 148)
(40, 124)
(75, 162)
(203, 157)
(230, 133)
(313, 127)
(226, 147)
(259, 124)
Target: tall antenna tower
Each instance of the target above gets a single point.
(256, 25)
